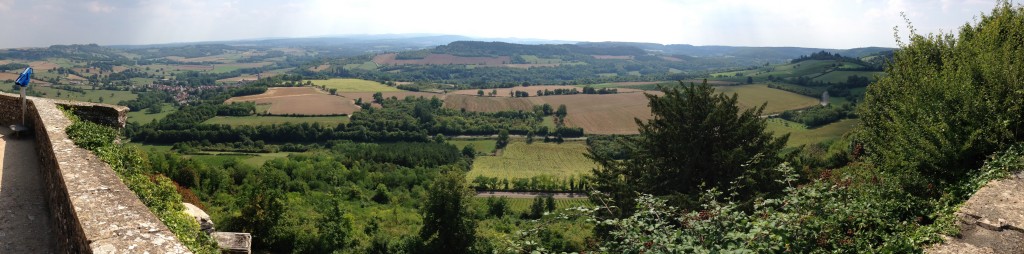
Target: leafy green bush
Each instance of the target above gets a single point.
(948, 101)
(155, 190)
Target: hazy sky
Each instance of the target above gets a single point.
(812, 23)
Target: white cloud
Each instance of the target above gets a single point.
(97, 7)
(824, 23)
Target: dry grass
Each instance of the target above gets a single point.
(521, 160)
(300, 100)
(487, 104)
(532, 90)
(602, 114)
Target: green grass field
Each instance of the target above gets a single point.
(218, 159)
(368, 65)
(142, 117)
(480, 145)
(98, 96)
(269, 120)
(522, 205)
(354, 85)
(527, 160)
(810, 68)
(800, 135)
(841, 76)
(538, 60)
(778, 100)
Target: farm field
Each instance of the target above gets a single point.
(142, 117)
(300, 100)
(522, 205)
(221, 68)
(99, 96)
(219, 159)
(841, 76)
(809, 68)
(480, 145)
(523, 160)
(489, 104)
(614, 113)
(368, 65)
(532, 90)
(754, 95)
(368, 96)
(801, 135)
(602, 114)
(271, 120)
(354, 85)
(264, 74)
(252, 159)
(442, 59)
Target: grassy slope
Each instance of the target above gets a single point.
(521, 160)
(142, 117)
(800, 135)
(778, 100)
(480, 145)
(354, 85)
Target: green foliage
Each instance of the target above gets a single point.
(949, 100)
(89, 135)
(697, 137)
(448, 225)
(155, 191)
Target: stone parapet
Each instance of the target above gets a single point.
(91, 209)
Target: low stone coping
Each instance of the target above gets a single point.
(93, 211)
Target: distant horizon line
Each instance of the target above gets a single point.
(514, 40)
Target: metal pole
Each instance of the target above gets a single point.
(23, 106)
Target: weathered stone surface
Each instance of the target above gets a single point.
(232, 242)
(991, 220)
(24, 215)
(91, 210)
(205, 223)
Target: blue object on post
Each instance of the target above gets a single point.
(24, 78)
(22, 81)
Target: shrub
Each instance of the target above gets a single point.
(949, 100)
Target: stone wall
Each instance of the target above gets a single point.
(92, 210)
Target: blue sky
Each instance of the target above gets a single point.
(812, 23)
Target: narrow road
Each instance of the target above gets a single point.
(24, 216)
(515, 194)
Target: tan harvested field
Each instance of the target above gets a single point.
(615, 113)
(300, 100)
(604, 113)
(251, 77)
(612, 57)
(487, 104)
(504, 92)
(215, 58)
(368, 96)
(43, 65)
(442, 59)
(120, 68)
(75, 77)
(5, 76)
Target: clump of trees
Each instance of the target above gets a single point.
(697, 139)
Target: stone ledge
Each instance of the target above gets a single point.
(93, 211)
(991, 220)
